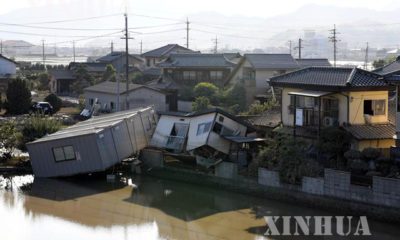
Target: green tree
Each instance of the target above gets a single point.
(55, 101)
(335, 141)
(83, 79)
(110, 74)
(378, 63)
(43, 81)
(9, 138)
(82, 102)
(18, 97)
(206, 89)
(235, 98)
(201, 103)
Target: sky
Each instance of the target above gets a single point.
(252, 8)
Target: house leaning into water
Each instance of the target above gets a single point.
(93, 145)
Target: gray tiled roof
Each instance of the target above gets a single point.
(152, 72)
(90, 66)
(374, 131)
(112, 87)
(163, 83)
(313, 62)
(197, 60)
(114, 55)
(8, 59)
(389, 68)
(329, 77)
(272, 61)
(166, 50)
(62, 74)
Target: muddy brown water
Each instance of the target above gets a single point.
(141, 208)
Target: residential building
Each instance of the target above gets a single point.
(390, 68)
(93, 145)
(106, 95)
(96, 69)
(254, 71)
(61, 81)
(313, 62)
(118, 60)
(213, 130)
(8, 69)
(155, 56)
(191, 69)
(351, 98)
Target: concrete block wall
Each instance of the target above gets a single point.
(152, 157)
(226, 170)
(313, 185)
(337, 183)
(386, 191)
(268, 178)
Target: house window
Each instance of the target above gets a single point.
(64, 153)
(374, 107)
(215, 75)
(112, 105)
(221, 118)
(222, 130)
(189, 75)
(148, 62)
(91, 101)
(203, 128)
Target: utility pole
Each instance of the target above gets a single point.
(299, 47)
(141, 47)
(334, 39)
(73, 49)
(290, 47)
(1, 47)
(187, 33)
(366, 58)
(112, 46)
(126, 60)
(215, 44)
(55, 49)
(43, 56)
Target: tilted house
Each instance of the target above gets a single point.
(8, 69)
(351, 98)
(155, 56)
(213, 128)
(254, 71)
(138, 95)
(93, 145)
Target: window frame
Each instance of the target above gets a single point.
(64, 155)
(374, 102)
(205, 129)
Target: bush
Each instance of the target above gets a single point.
(55, 101)
(335, 141)
(208, 90)
(82, 102)
(370, 154)
(257, 108)
(43, 81)
(235, 96)
(18, 97)
(38, 126)
(201, 103)
(110, 74)
(9, 138)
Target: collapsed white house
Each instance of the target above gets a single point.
(214, 129)
(93, 145)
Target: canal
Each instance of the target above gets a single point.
(140, 208)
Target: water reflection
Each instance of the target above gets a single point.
(141, 208)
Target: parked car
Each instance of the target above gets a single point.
(42, 107)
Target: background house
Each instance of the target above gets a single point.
(118, 60)
(106, 94)
(61, 81)
(351, 98)
(155, 56)
(253, 71)
(8, 68)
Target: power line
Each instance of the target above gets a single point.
(44, 35)
(59, 28)
(87, 38)
(75, 19)
(166, 31)
(155, 17)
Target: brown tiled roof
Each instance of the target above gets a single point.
(373, 131)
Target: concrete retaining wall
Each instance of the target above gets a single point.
(386, 191)
(226, 170)
(152, 157)
(268, 178)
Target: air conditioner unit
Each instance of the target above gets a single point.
(329, 121)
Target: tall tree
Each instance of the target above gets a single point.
(18, 97)
(110, 74)
(83, 79)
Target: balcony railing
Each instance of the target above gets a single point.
(310, 117)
